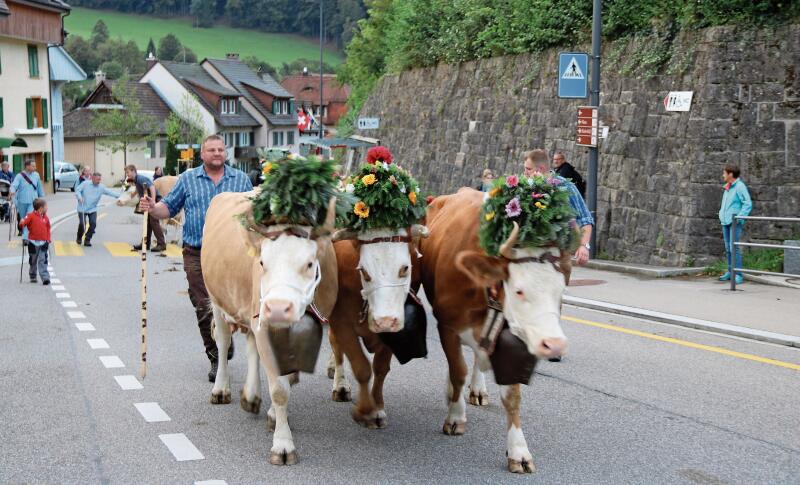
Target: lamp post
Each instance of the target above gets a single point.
(594, 101)
(321, 130)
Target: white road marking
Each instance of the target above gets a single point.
(128, 383)
(76, 315)
(52, 273)
(180, 447)
(49, 268)
(97, 343)
(69, 304)
(211, 482)
(111, 361)
(151, 412)
(55, 281)
(57, 287)
(85, 327)
(62, 295)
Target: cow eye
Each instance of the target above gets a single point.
(520, 293)
(310, 265)
(403, 271)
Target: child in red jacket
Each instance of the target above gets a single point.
(38, 240)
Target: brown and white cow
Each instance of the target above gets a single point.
(164, 186)
(530, 294)
(255, 280)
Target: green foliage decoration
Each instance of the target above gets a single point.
(538, 204)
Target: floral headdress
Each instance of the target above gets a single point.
(386, 196)
(539, 205)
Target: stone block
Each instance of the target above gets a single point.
(793, 145)
(772, 92)
(771, 136)
(788, 110)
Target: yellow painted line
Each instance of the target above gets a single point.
(121, 250)
(13, 244)
(68, 248)
(173, 251)
(101, 216)
(707, 348)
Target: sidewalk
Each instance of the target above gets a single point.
(757, 311)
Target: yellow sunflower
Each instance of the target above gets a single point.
(369, 179)
(494, 191)
(361, 209)
(489, 216)
(267, 168)
(412, 196)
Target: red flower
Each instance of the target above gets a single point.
(379, 154)
(429, 199)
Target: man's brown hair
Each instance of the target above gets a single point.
(130, 168)
(536, 156)
(211, 137)
(733, 170)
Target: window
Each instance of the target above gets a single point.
(230, 139)
(244, 139)
(162, 148)
(151, 149)
(33, 60)
(290, 138)
(228, 106)
(284, 107)
(36, 111)
(277, 138)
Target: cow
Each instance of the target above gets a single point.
(258, 277)
(163, 185)
(530, 293)
(376, 270)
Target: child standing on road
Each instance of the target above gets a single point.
(38, 225)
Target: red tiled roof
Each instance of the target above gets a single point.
(306, 88)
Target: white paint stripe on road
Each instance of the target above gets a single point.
(76, 315)
(97, 343)
(62, 295)
(55, 281)
(56, 287)
(211, 482)
(128, 383)
(69, 304)
(180, 447)
(151, 412)
(49, 268)
(111, 361)
(52, 273)
(85, 327)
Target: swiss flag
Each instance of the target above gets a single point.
(302, 120)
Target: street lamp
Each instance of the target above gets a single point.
(321, 129)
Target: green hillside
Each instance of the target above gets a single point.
(213, 42)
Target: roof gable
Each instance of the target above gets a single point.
(62, 66)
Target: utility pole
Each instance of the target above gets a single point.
(320, 71)
(594, 101)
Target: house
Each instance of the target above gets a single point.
(305, 89)
(63, 69)
(27, 27)
(85, 145)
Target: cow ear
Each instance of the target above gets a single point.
(253, 243)
(484, 270)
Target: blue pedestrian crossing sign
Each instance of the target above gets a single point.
(573, 75)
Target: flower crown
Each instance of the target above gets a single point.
(386, 195)
(539, 205)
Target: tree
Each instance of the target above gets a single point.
(185, 55)
(113, 69)
(82, 52)
(183, 126)
(151, 48)
(99, 33)
(169, 47)
(260, 66)
(124, 127)
(204, 12)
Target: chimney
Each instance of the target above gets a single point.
(151, 60)
(232, 55)
(99, 77)
(305, 71)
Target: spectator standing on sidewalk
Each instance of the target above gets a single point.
(38, 225)
(5, 170)
(86, 174)
(486, 180)
(157, 172)
(735, 202)
(145, 187)
(563, 168)
(193, 193)
(27, 186)
(88, 194)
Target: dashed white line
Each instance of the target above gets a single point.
(180, 447)
(57, 287)
(128, 383)
(76, 315)
(97, 343)
(49, 268)
(111, 361)
(151, 412)
(62, 295)
(55, 281)
(69, 304)
(52, 273)
(85, 327)
(211, 482)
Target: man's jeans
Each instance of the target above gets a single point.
(24, 210)
(37, 259)
(726, 235)
(82, 216)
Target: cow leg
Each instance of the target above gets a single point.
(221, 392)
(478, 395)
(455, 422)
(519, 458)
(250, 399)
(380, 368)
(341, 388)
(363, 412)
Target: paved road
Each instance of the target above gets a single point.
(634, 402)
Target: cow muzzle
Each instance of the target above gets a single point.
(279, 312)
(385, 324)
(550, 348)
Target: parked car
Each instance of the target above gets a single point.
(66, 176)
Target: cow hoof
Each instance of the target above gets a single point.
(253, 406)
(294, 378)
(341, 395)
(370, 421)
(523, 466)
(479, 398)
(331, 372)
(221, 398)
(283, 457)
(270, 424)
(454, 429)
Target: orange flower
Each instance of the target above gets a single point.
(494, 191)
(267, 168)
(412, 196)
(361, 209)
(369, 179)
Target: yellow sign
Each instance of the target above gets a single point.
(187, 154)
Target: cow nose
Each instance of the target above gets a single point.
(387, 324)
(278, 310)
(553, 347)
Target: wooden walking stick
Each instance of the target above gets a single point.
(143, 369)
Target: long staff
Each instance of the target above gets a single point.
(143, 369)
(22, 262)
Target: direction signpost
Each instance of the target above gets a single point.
(588, 126)
(368, 123)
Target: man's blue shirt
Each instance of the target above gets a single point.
(26, 192)
(582, 215)
(193, 193)
(91, 194)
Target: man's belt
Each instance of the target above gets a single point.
(196, 248)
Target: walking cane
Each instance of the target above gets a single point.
(22, 262)
(143, 369)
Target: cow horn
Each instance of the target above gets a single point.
(345, 235)
(507, 249)
(418, 230)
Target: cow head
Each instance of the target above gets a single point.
(533, 284)
(289, 268)
(129, 197)
(385, 267)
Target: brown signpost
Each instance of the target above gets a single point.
(588, 126)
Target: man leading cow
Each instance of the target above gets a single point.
(193, 194)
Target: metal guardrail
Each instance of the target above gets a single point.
(733, 270)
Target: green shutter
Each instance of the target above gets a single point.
(1, 112)
(17, 163)
(44, 113)
(291, 107)
(274, 106)
(33, 61)
(46, 166)
(29, 107)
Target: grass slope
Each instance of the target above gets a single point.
(214, 42)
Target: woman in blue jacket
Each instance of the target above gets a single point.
(735, 202)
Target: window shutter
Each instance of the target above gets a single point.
(291, 106)
(17, 163)
(46, 166)
(44, 113)
(33, 61)
(29, 107)
(275, 106)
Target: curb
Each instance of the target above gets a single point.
(695, 323)
(642, 270)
